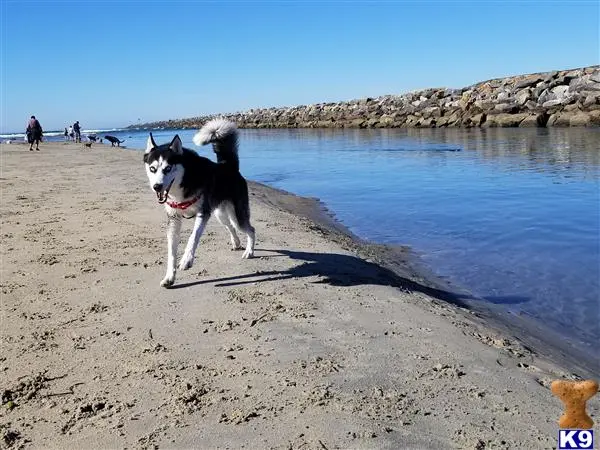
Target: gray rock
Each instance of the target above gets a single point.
(426, 123)
(579, 119)
(546, 96)
(552, 103)
(594, 117)
(454, 119)
(560, 91)
(531, 105)
(504, 120)
(558, 120)
(550, 76)
(477, 120)
(591, 99)
(522, 97)
(505, 107)
(527, 82)
(572, 107)
(534, 120)
(485, 105)
(583, 84)
(503, 96)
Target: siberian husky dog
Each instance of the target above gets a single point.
(191, 186)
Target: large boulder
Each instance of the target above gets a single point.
(475, 120)
(506, 108)
(454, 119)
(442, 121)
(594, 117)
(534, 120)
(569, 119)
(528, 81)
(579, 119)
(357, 123)
(584, 83)
(427, 123)
(523, 97)
(591, 99)
(504, 120)
(503, 96)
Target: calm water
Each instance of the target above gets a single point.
(511, 215)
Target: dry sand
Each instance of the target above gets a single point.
(304, 347)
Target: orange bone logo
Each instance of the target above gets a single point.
(574, 394)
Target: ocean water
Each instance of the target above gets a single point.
(509, 215)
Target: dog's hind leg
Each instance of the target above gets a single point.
(250, 240)
(241, 221)
(173, 232)
(187, 260)
(249, 231)
(225, 215)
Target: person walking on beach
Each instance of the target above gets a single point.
(66, 134)
(71, 134)
(34, 133)
(77, 130)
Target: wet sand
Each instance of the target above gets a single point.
(312, 344)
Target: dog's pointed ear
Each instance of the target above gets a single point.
(176, 145)
(150, 144)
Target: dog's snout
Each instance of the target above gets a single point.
(157, 187)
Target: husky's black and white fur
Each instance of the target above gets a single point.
(193, 186)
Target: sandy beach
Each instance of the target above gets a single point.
(306, 346)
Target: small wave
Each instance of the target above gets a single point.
(271, 177)
(420, 149)
(101, 130)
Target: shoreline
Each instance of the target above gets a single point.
(313, 341)
(412, 274)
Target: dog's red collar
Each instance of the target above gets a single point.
(183, 205)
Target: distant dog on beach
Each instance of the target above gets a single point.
(113, 140)
(194, 186)
(87, 144)
(91, 137)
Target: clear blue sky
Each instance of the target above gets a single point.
(108, 63)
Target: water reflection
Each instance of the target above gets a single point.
(538, 149)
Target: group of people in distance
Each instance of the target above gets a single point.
(35, 133)
(73, 133)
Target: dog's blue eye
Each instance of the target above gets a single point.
(153, 169)
(167, 169)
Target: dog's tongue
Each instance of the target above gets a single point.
(162, 196)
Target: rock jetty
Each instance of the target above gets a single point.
(564, 98)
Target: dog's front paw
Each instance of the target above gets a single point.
(187, 261)
(168, 281)
(249, 253)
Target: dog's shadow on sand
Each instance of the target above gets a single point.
(333, 269)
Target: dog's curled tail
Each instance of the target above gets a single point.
(223, 135)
